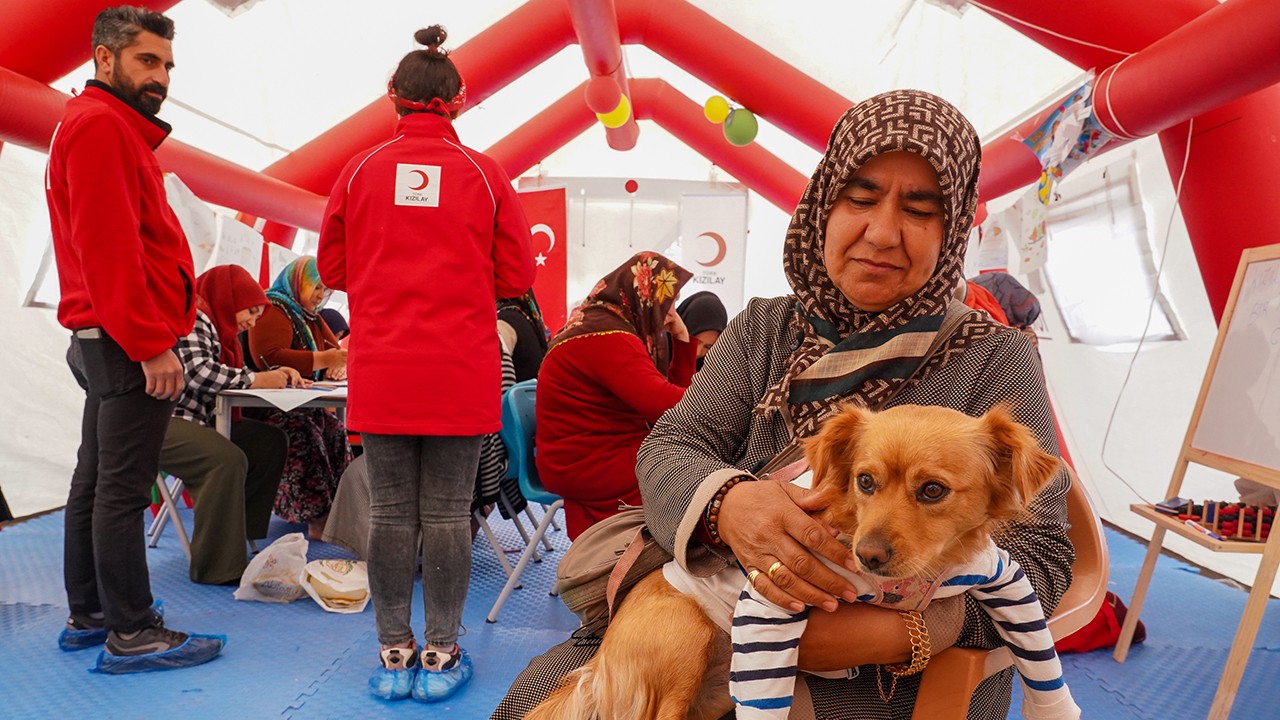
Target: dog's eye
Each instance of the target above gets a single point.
(931, 492)
(866, 483)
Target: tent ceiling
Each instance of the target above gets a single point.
(287, 70)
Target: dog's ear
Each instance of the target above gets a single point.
(829, 451)
(1019, 461)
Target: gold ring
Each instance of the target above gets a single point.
(751, 577)
(773, 569)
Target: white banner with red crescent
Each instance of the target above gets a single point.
(547, 211)
(713, 239)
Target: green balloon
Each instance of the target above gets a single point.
(740, 127)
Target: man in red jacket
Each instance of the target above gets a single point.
(125, 272)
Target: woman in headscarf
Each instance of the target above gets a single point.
(873, 256)
(233, 481)
(610, 373)
(523, 332)
(292, 334)
(704, 317)
(424, 234)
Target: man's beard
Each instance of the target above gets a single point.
(136, 97)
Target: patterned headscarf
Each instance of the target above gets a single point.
(635, 298)
(221, 292)
(298, 279)
(846, 353)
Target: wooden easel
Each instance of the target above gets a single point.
(1262, 582)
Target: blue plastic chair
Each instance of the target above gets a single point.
(517, 434)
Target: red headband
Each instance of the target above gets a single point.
(438, 106)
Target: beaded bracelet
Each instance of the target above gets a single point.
(921, 651)
(711, 516)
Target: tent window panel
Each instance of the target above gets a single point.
(1100, 266)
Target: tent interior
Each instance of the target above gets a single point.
(1132, 276)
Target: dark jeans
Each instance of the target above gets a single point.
(104, 555)
(420, 484)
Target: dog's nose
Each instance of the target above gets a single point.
(874, 553)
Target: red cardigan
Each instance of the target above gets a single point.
(123, 260)
(424, 235)
(598, 397)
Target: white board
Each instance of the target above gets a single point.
(1241, 414)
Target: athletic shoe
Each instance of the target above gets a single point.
(442, 675)
(157, 648)
(393, 680)
(86, 631)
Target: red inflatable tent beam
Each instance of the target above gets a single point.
(758, 169)
(596, 24)
(1106, 31)
(544, 133)
(1228, 50)
(46, 40)
(750, 75)
(1227, 53)
(538, 29)
(506, 50)
(503, 52)
(30, 110)
(654, 100)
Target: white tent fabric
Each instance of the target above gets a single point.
(252, 87)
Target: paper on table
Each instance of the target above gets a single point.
(288, 399)
(329, 383)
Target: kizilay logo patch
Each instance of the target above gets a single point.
(417, 185)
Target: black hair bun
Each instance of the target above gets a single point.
(433, 37)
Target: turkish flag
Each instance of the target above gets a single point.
(548, 212)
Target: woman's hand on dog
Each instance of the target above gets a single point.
(766, 522)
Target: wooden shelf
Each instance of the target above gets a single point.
(1172, 523)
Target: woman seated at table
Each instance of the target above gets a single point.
(704, 317)
(610, 373)
(291, 334)
(873, 256)
(233, 481)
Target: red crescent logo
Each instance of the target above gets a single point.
(425, 180)
(721, 249)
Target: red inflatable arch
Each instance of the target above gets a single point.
(1198, 61)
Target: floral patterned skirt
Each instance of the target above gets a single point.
(318, 453)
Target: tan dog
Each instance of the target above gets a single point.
(915, 489)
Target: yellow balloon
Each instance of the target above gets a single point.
(716, 109)
(616, 117)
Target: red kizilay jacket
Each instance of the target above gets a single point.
(123, 260)
(424, 235)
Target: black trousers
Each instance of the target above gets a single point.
(121, 433)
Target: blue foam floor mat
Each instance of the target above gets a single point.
(297, 661)
(282, 660)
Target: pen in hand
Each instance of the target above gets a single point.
(288, 382)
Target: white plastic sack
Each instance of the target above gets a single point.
(338, 586)
(274, 575)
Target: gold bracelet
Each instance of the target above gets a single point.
(921, 651)
(712, 514)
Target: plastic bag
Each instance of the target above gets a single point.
(339, 586)
(274, 575)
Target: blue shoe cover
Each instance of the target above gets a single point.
(431, 687)
(197, 650)
(71, 640)
(392, 684)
